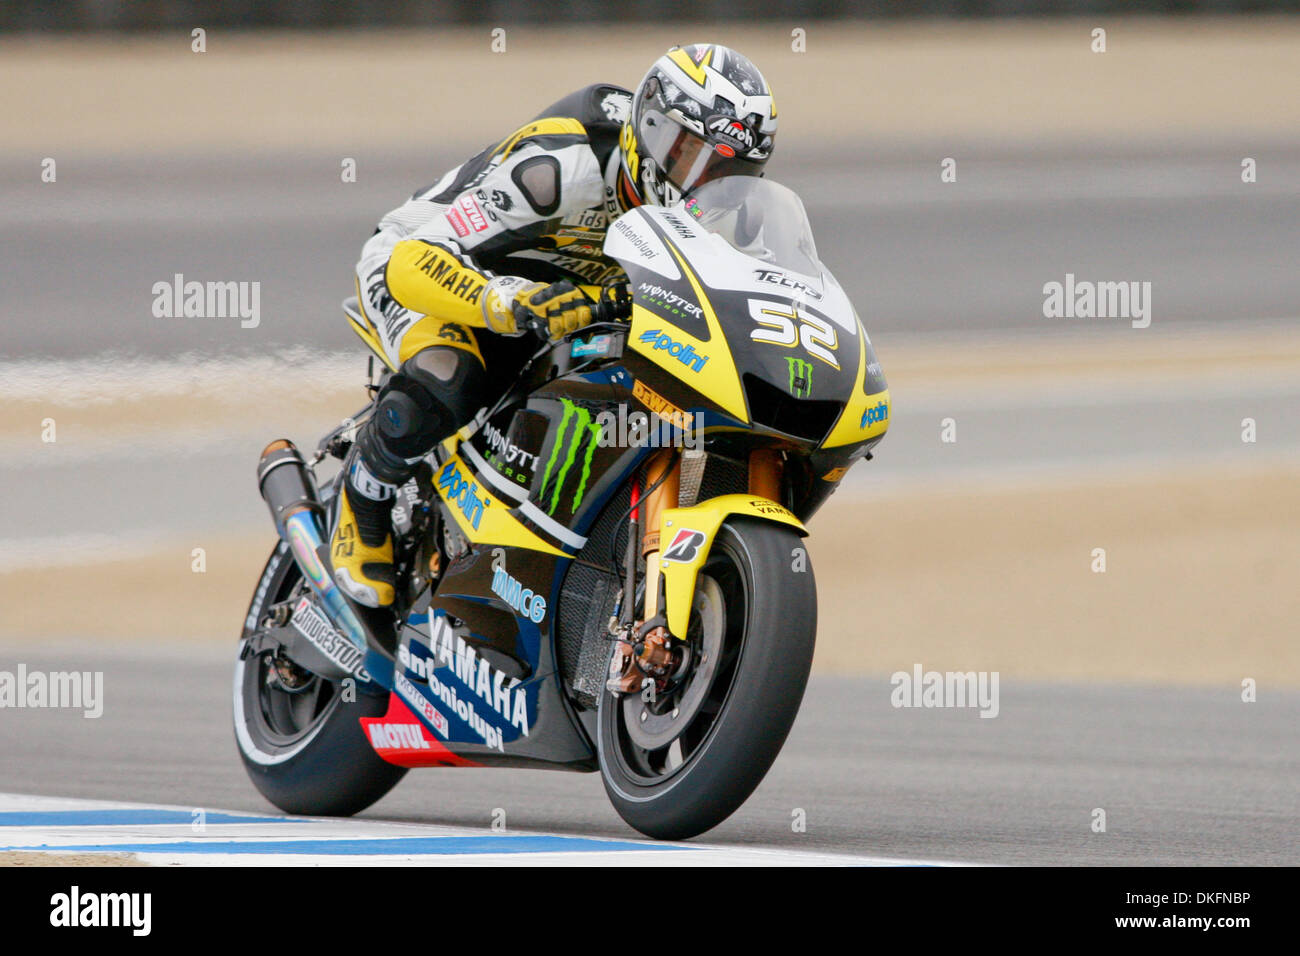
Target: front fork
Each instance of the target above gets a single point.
(647, 654)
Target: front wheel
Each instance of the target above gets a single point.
(681, 764)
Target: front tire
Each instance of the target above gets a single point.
(677, 767)
(303, 746)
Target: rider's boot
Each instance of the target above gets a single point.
(361, 548)
(435, 392)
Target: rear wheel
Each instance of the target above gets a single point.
(300, 740)
(681, 764)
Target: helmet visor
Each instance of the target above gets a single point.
(686, 159)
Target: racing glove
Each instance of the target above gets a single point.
(511, 305)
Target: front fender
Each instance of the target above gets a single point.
(686, 535)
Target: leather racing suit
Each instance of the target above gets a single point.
(444, 279)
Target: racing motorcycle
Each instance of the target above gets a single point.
(604, 571)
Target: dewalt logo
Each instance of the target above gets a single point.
(661, 406)
(576, 439)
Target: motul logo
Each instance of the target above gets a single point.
(397, 737)
(478, 222)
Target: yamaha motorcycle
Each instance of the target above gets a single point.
(605, 570)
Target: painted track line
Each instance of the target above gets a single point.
(172, 836)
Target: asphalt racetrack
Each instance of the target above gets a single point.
(1185, 776)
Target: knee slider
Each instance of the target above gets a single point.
(453, 381)
(407, 423)
(399, 414)
(433, 394)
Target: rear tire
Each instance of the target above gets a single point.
(304, 750)
(728, 733)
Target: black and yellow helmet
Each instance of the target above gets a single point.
(702, 112)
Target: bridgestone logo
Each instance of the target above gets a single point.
(312, 625)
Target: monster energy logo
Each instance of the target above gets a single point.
(576, 429)
(800, 377)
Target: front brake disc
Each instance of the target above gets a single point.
(646, 726)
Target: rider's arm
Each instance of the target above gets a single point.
(423, 260)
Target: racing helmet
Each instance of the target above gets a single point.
(702, 112)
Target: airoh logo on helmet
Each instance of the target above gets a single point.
(732, 128)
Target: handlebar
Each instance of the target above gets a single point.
(613, 303)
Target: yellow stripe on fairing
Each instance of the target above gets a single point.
(848, 430)
(496, 524)
(718, 381)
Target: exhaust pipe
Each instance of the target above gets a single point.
(299, 517)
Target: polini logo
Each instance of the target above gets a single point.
(877, 413)
(577, 435)
(684, 353)
(463, 492)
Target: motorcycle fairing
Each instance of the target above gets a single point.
(673, 322)
(857, 422)
(462, 689)
(809, 339)
(686, 535)
(476, 659)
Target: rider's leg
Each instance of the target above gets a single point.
(436, 390)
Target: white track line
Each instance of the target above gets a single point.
(95, 381)
(178, 836)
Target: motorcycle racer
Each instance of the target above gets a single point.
(454, 276)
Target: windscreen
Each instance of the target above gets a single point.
(758, 217)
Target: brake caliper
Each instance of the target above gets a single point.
(650, 654)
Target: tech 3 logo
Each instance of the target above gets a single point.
(578, 435)
(800, 377)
